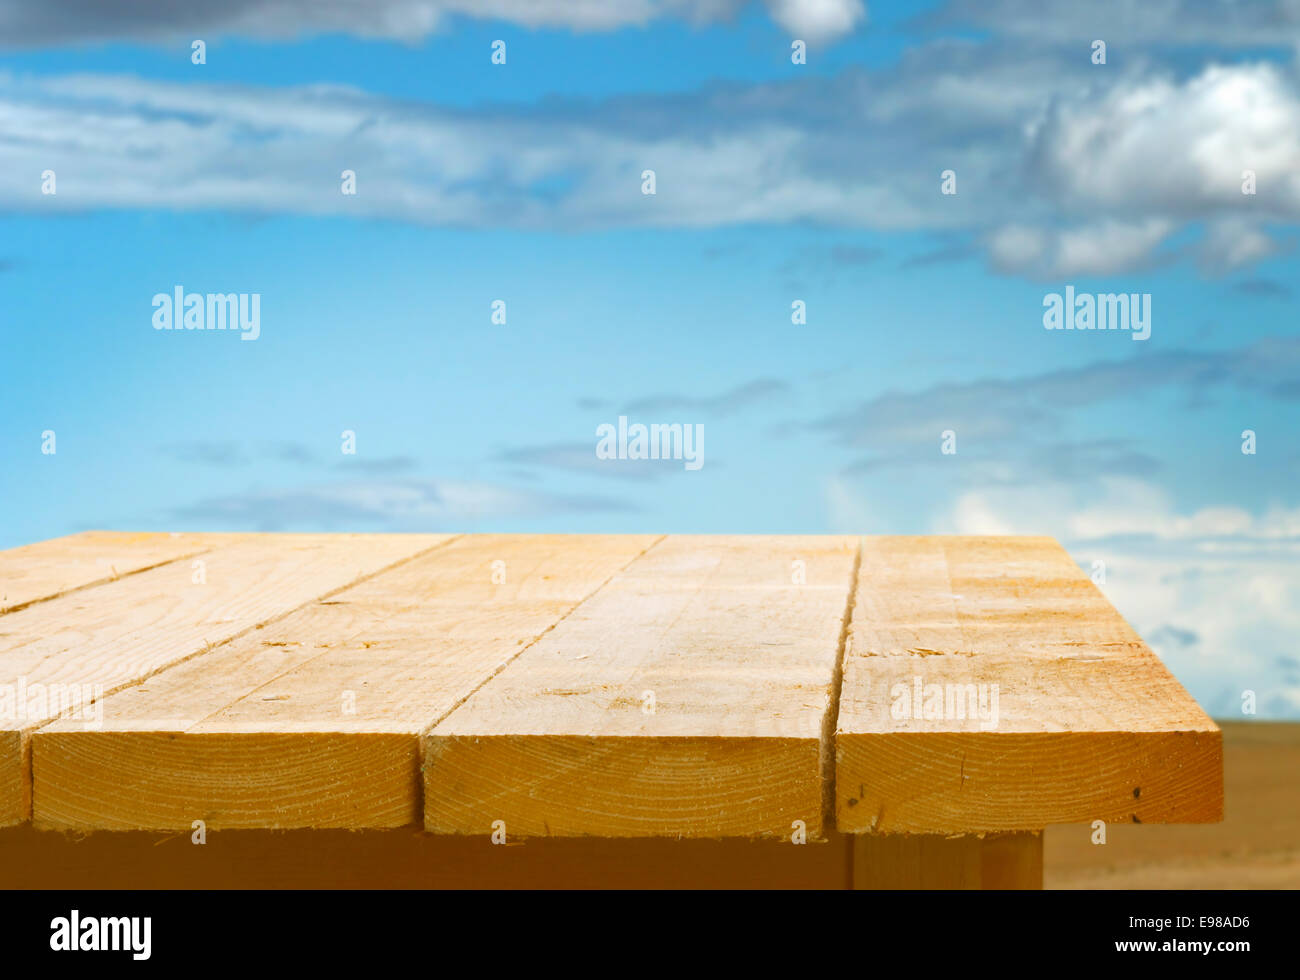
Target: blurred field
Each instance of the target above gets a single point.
(1256, 846)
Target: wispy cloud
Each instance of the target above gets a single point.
(580, 457)
(208, 453)
(1231, 243)
(292, 452)
(1269, 288)
(748, 395)
(397, 505)
(63, 21)
(1260, 23)
(827, 263)
(378, 465)
(230, 454)
(1012, 462)
(940, 256)
(1100, 248)
(1061, 170)
(997, 409)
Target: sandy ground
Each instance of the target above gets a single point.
(1256, 846)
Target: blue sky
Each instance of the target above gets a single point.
(776, 182)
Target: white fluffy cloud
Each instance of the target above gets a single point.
(1146, 156)
(1061, 170)
(818, 20)
(1180, 147)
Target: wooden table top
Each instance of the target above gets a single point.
(583, 685)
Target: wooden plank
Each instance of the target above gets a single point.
(408, 858)
(891, 862)
(740, 657)
(63, 656)
(315, 720)
(46, 569)
(1073, 718)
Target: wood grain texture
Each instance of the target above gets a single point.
(63, 656)
(892, 862)
(315, 720)
(1088, 722)
(47, 569)
(740, 660)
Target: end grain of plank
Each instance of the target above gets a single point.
(685, 699)
(1081, 721)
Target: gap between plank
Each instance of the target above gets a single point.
(299, 666)
(258, 625)
(832, 717)
(114, 577)
(533, 642)
(479, 686)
